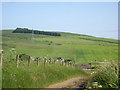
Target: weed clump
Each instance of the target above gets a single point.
(106, 76)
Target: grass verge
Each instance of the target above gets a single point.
(36, 76)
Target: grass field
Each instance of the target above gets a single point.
(69, 46)
(81, 48)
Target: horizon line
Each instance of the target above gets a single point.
(64, 32)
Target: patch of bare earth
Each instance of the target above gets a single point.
(71, 83)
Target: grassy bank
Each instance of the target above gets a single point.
(36, 76)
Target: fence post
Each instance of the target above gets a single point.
(37, 61)
(54, 61)
(74, 63)
(28, 61)
(45, 60)
(1, 59)
(74, 60)
(17, 60)
(49, 61)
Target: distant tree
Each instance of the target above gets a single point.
(26, 30)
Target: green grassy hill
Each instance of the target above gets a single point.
(81, 48)
(78, 47)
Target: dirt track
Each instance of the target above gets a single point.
(76, 82)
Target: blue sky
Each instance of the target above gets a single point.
(92, 18)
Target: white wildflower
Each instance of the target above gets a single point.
(1, 51)
(89, 87)
(13, 49)
(95, 84)
(100, 86)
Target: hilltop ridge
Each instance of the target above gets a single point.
(64, 34)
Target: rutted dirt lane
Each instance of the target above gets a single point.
(77, 82)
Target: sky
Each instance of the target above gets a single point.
(98, 19)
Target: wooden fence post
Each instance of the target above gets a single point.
(37, 61)
(62, 63)
(45, 60)
(74, 63)
(54, 61)
(1, 59)
(29, 61)
(50, 61)
(65, 63)
(17, 60)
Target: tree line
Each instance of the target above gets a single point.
(26, 30)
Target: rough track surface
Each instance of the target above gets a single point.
(71, 83)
